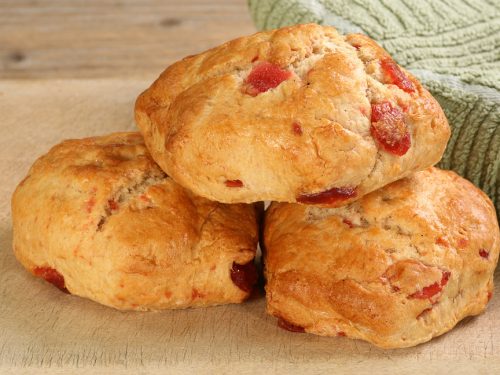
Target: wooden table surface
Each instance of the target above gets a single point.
(73, 69)
(111, 38)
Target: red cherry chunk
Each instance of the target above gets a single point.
(330, 196)
(297, 129)
(389, 128)
(396, 76)
(244, 276)
(427, 292)
(265, 76)
(234, 183)
(433, 289)
(113, 205)
(348, 223)
(286, 325)
(445, 278)
(52, 276)
(484, 253)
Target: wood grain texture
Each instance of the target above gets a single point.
(44, 331)
(111, 38)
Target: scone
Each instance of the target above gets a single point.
(299, 114)
(396, 268)
(97, 217)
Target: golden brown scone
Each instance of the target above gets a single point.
(396, 268)
(99, 218)
(299, 114)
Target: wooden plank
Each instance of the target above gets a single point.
(109, 38)
(44, 331)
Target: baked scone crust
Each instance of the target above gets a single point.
(312, 133)
(98, 217)
(396, 268)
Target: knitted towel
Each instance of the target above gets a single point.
(452, 46)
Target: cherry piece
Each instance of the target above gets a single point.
(389, 129)
(433, 289)
(396, 76)
(484, 253)
(348, 223)
(427, 292)
(329, 196)
(234, 183)
(52, 276)
(445, 278)
(265, 76)
(244, 276)
(297, 129)
(113, 205)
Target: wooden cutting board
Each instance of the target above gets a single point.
(44, 331)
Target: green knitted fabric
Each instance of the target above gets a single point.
(453, 46)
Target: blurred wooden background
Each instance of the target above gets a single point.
(111, 38)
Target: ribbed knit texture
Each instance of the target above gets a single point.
(453, 46)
